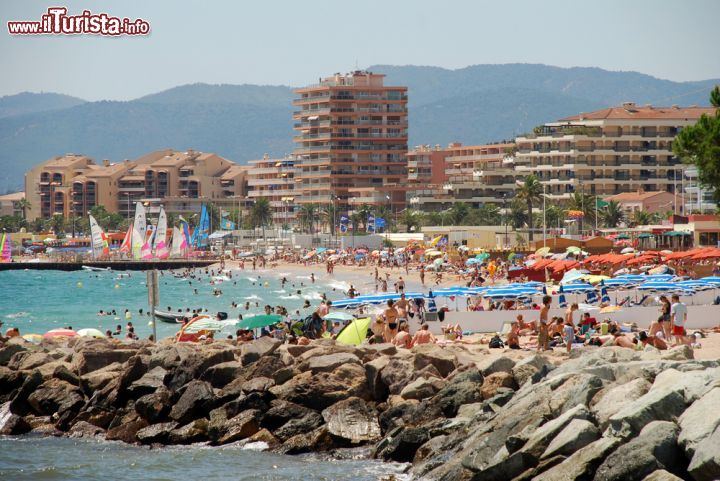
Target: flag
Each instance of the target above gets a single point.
(435, 240)
(370, 227)
(599, 203)
(227, 224)
(443, 241)
(344, 223)
(379, 222)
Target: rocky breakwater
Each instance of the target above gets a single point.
(454, 412)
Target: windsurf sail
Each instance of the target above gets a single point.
(177, 241)
(137, 243)
(200, 235)
(126, 245)
(185, 234)
(160, 243)
(5, 248)
(99, 239)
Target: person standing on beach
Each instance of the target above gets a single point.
(422, 275)
(678, 314)
(543, 341)
(664, 319)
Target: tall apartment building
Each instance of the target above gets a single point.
(10, 204)
(274, 180)
(607, 152)
(181, 181)
(474, 174)
(351, 141)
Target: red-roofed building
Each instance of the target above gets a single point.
(652, 202)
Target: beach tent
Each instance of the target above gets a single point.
(355, 332)
(90, 332)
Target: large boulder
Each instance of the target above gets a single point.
(9, 350)
(222, 374)
(614, 398)
(155, 406)
(303, 424)
(397, 374)
(92, 360)
(657, 404)
(705, 463)
(576, 435)
(582, 464)
(402, 444)
(691, 384)
(252, 351)
(352, 420)
(321, 390)
(193, 432)
(151, 381)
(12, 424)
(315, 441)
(654, 448)
(578, 389)
(83, 429)
(432, 354)
(462, 389)
(699, 421)
(196, 401)
(56, 396)
(328, 362)
(193, 366)
(525, 369)
(98, 379)
(126, 432)
(19, 404)
(492, 364)
(422, 388)
(156, 433)
(540, 439)
(373, 372)
(240, 427)
(281, 412)
(9, 381)
(497, 380)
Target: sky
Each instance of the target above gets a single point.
(295, 42)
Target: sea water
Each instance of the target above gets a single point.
(33, 458)
(37, 301)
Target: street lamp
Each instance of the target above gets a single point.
(504, 198)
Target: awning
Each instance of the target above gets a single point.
(219, 234)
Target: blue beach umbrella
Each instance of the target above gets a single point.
(561, 299)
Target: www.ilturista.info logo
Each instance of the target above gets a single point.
(58, 22)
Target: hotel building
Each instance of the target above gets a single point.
(607, 152)
(181, 181)
(351, 141)
(274, 180)
(474, 174)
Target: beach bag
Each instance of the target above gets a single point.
(496, 343)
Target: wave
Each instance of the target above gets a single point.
(253, 298)
(15, 315)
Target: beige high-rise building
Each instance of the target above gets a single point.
(607, 152)
(351, 142)
(274, 180)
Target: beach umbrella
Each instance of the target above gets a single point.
(542, 252)
(573, 250)
(432, 253)
(604, 297)
(60, 333)
(711, 279)
(577, 287)
(627, 250)
(561, 299)
(623, 236)
(482, 256)
(35, 338)
(90, 332)
(261, 320)
(355, 332)
(472, 261)
(609, 309)
(338, 316)
(438, 262)
(202, 324)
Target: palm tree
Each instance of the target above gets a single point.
(355, 221)
(584, 203)
(410, 218)
(530, 192)
(364, 211)
(641, 217)
(612, 214)
(307, 215)
(488, 214)
(57, 224)
(24, 204)
(458, 212)
(261, 213)
(517, 217)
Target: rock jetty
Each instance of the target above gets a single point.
(456, 412)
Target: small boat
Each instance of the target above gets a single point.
(171, 317)
(92, 268)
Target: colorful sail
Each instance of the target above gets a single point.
(126, 245)
(140, 222)
(138, 241)
(185, 234)
(201, 233)
(160, 242)
(146, 251)
(5, 248)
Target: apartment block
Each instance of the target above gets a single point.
(607, 152)
(274, 180)
(474, 174)
(351, 141)
(9, 204)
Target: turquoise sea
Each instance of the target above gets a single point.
(37, 301)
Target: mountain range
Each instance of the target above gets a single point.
(472, 105)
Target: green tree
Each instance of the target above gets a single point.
(488, 214)
(57, 224)
(307, 215)
(38, 225)
(612, 214)
(517, 216)
(261, 214)
(364, 210)
(458, 212)
(584, 203)
(410, 218)
(554, 216)
(699, 144)
(530, 192)
(24, 204)
(642, 217)
(355, 220)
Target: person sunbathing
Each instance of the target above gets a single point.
(620, 340)
(652, 340)
(512, 339)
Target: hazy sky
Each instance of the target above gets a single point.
(294, 42)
